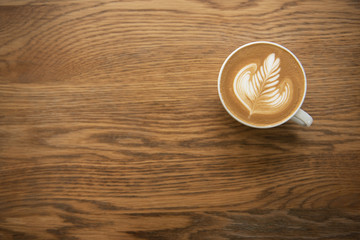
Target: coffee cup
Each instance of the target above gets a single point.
(263, 85)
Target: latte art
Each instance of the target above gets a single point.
(260, 89)
(262, 84)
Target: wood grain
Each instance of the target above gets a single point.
(111, 126)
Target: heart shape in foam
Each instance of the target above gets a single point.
(260, 90)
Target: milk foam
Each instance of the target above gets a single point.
(262, 90)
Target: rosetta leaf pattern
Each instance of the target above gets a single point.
(260, 89)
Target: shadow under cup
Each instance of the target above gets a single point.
(262, 84)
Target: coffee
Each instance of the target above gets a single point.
(262, 84)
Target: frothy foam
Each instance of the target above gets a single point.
(261, 90)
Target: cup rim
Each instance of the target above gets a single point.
(239, 120)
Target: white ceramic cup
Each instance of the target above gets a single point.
(300, 116)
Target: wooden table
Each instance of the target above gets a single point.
(111, 126)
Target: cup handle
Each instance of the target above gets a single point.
(302, 118)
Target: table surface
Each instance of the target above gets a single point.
(111, 126)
